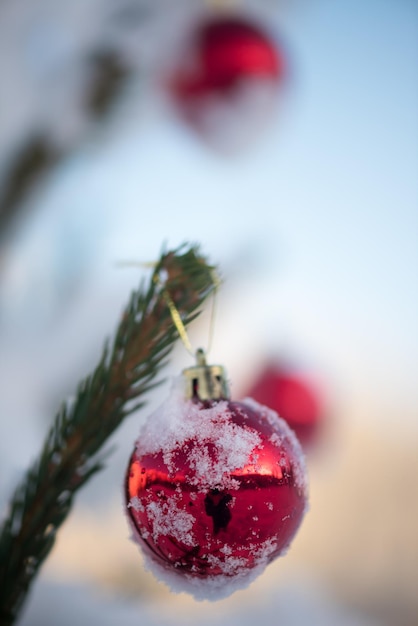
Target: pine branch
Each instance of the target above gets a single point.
(39, 155)
(71, 452)
(35, 158)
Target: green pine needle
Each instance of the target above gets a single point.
(71, 454)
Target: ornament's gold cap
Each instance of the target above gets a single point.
(205, 382)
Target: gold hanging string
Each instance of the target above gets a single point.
(217, 283)
(175, 315)
(143, 265)
(178, 322)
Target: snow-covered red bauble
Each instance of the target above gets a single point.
(226, 80)
(294, 396)
(215, 489)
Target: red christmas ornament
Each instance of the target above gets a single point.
(294, 397)
(227, 78)
(215, 489)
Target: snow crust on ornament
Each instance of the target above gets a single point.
(234, 122)
(178, 421)
(273, 418)
(215, 491)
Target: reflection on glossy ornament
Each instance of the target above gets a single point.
(215, 489)
(227, 79)
(294, 397)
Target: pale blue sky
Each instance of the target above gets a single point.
(322, 213)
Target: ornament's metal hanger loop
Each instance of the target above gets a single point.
(203, 382)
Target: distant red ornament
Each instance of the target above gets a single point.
(294, 397)
(228, 76)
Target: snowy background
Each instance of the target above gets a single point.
(315, 229)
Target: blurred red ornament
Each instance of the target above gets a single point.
(215, 491)
(228, 76)
(294, 397)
